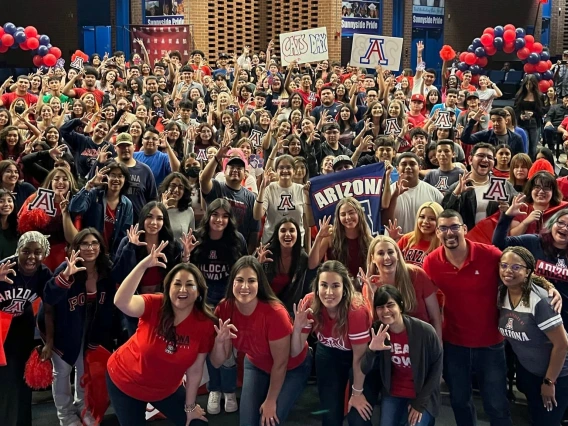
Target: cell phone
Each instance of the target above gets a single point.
(160, 112)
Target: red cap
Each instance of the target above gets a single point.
(417, 97)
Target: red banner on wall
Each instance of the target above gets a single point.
(160, 39)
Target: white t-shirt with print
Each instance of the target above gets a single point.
(282, 202)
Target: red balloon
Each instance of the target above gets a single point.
(55, 51)
(30, 31)
(7, 40)
(24, 46)
(482, 62)
(529, 68)
(49, 60)
(3, 49)
(462, 56)
(509, 35)
(537, 47)
(542, 66)
(543, 85)
(475, 80)
(523, 53)
(509, 47)
(509, 27)
(489, 30)
(490, 50)
(38, 61)
(459, 74)
(549, 63)
(32, 43)
(487, 40)
(529, 41)
(470, 58)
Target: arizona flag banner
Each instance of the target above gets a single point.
(365, 184)
(160, 39)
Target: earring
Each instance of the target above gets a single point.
(200, 298)
(344, 294)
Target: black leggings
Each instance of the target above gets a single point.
(132, 412)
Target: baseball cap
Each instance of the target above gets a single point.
(472, 95)
(124, 138)
(341, 159)
(417, 97)
(565, 53)
(223, 55)
(236, 158)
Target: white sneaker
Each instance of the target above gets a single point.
(231, 404)
(76, 422)
(89, 420)
(214, 403)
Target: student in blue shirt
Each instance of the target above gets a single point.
(160, 163)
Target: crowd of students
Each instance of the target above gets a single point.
(163, 211)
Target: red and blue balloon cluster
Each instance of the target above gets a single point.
(12, 37)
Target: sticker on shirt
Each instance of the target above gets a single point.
(497, 190)
(552, 272)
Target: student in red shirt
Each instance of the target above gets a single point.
(415, 115)
(408, 355)
(22, 86)
(340, 319)
(386, 260)
(175, 334)
(273, 378)
(89, 81)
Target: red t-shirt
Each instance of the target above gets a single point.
(358, 325)
(204, 69)
(268, 322)
(354, 261)
(279, 282)
(8, 98)
(416, 120)
(416, 253)
(500, 174)
(99, 95)
(309, 97)
(471, 316)
(402, 381)
(146, 367)
(564, 122)
(151, 280)
(110, 220)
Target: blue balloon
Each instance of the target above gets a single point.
(9, 28)
(498, 31)
(20, 37)
(49, 46)
(538, 75)
(498, 42)
(475, 69)
(42, 50)
(544, 55)
(20, 29)
(470, 48)
(547, 75)
(534, 58)
(480, 52)
(520, 32)
(462, 66)
(44, 40)
(15, 46)
(476, 42)
(519, 43)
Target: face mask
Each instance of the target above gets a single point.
(19, 109)
(244, 127)
(193, 172)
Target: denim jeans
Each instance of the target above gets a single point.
(224, 378)
(132, 412)
(489, 366)
(255, 388)
(394, 412)
(549, 135)
(531, 127)
(529, 384)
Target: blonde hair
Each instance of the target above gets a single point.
(402, 279)
(339, 242)
(417, 235)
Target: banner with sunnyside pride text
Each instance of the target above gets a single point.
(361, 17)
(365, 184)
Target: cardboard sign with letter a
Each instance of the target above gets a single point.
(368, 51)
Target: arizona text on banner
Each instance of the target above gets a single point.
(365, 184)
(368, 51)
(161, 39)
(304, 46)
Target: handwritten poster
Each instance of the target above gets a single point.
(304, 46)
(368, 51)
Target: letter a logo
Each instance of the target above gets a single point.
(286, 203)
(496, 191)
(376, 46)
(392, 127)
(45, 200)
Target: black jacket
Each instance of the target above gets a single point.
(556, 114)
(489, 136)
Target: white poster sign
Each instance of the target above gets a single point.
(304, 46)
(368, 51)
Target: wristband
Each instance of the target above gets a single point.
(356, 390)
(259, 202)
(190, 408)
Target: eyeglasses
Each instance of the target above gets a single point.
(485, 156)
(539, 188)
(87, 246)
(562, 225)
(453, 228)
(174, 187)
(514, 267)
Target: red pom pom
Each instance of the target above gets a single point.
(33, 220)
(94, 382)
(38, 374)
(447, 53)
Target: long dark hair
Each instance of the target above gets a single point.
(230, 240)
(351, 122)
(276, 248)
(265, 293)
(102, 264)
(185, 200)
(12, 217)
(18, 149)
(546, 180)
(165, 234)
(166, 327)
(178, 143)
(523, 92)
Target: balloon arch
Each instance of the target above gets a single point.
(12, 37)
(509, 39)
